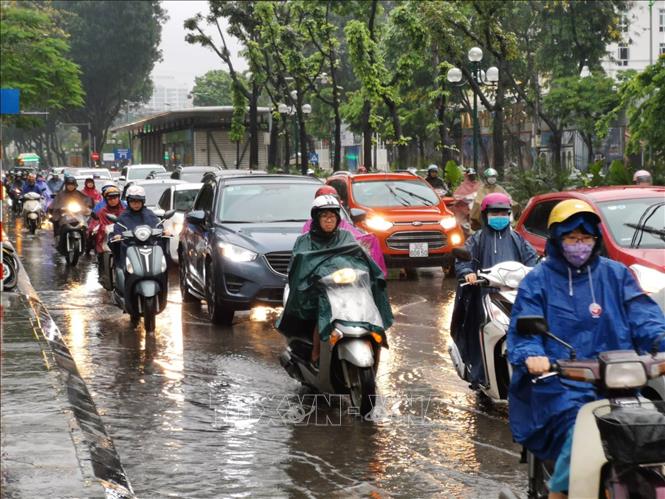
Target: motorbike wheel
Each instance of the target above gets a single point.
(187, 297)
(362, 389)
(72, 256)
(32, 226)
(9, 273)
(149, 307)
(216, 313)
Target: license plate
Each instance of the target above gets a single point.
(418, 250)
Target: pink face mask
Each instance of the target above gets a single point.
(577, 253)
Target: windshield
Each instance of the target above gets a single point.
(629, 211)
(192, 176)
(266, 202)
(143, 172)
(183, 200)
(103, 174)
(351, 297)
(380, 193)
(153, 192)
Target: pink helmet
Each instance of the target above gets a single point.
(495, 201)
(641, 176)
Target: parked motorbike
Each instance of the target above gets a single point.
(505, 278)
(33, 211)
(618, 446)
(140, 288)
(349, 360)
(72, 232)
(9, 267)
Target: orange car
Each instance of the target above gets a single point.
(413, 225)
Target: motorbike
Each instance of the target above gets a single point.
(461, 208)
(349, 359)
(72, 232)
(15, 200)
(105, 261)
(33, 211)
(504, 278)
(9, 267)
(618, 448)
(140, 288)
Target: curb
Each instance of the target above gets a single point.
(104, 459)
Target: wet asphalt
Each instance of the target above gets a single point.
(205, 411)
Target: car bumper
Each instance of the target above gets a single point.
(243, 285)
(405, 261)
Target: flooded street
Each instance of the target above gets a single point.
(206, 411)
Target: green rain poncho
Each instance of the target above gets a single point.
(309, 303)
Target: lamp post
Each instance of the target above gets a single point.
(286, 110)
(491, 77)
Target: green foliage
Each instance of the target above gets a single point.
(237, 132)
(454, 174)
(543, 178)
(215, 88)
(34, 57)
(618, 174)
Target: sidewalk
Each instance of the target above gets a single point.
(53, 443)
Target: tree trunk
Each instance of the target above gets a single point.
(402, 153)
(421, 151)
(555, 147)
(367, 136)
(254, 127)
(287, 149)
(443, 132)
(273, 149)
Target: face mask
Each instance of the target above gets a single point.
(577, 253)
(491, 180)
(498, 222)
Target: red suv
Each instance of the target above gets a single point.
(409, 218)
(623, 210)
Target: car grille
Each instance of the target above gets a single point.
(279, 261)
(401, 240)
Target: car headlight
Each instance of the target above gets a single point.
(650, 279)
(236, 253)
(625, 375)
(448, 223)
(344, 276)
(128, 266)
(142, 233)
(378, 223)
(73, 207)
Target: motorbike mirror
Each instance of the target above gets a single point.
(196, 217)
(168, 214)
(159, 212)
(462, 254)
(111, 217)
(358, 215)
(531, 325)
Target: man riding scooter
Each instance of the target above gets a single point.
(496, 242)
(67, 195)
(592, 303)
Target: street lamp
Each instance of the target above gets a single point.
(491, 77)
(286, 110)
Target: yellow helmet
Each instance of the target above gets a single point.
(566, 209)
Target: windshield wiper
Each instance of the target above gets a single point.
(641, 227)
(287, 220)
(237, 221)
(402, 201)
(424, 199)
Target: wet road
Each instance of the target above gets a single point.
(205, 411)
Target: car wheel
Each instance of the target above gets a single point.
(187, 297)
(216, 312)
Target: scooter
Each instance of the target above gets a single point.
(350, 358)
(72, 233)
(9, 267)
(461, 208)
(33, 211)
(105, 261)
(15, 200)
(505, 277)
(140, 288)
(618, 446)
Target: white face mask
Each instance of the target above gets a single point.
(491, 180)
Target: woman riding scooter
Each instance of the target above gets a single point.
(590, 302)
(496, 242)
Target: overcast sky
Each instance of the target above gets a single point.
(182, 61)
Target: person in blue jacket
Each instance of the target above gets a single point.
(591, 302)
(494, 243)
(32, 185)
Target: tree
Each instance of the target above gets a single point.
(34, 58)
(215, 88)
(116, 44)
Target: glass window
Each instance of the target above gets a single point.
(205, 198)
(142, 172)
(340, 187)
(536, 222)
(184, 200)
(153, 193)
(619, 214)
(623, 24)
(661, 50)
(266, 202)
(165, 200)
(387, 193)
(623, 55)
(661, 20)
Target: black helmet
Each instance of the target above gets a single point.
(70, 179)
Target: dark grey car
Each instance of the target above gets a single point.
(236, 243)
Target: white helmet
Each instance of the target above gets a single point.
(432, 168)
(135, 192)
(326, 202)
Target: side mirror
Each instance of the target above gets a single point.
(358, 215)
(196, 217)
(531, 324)
(168, 214)
(159, 212)
(112, 218)
(121, 178)
(462, 254)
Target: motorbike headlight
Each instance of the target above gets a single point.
(448, 223)
(625, 375)
(142, 233)
(237, 253)
(128, 266)
(73, 207)
(344, 276)
(378, 223)
(455, 239)
(650, 279)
